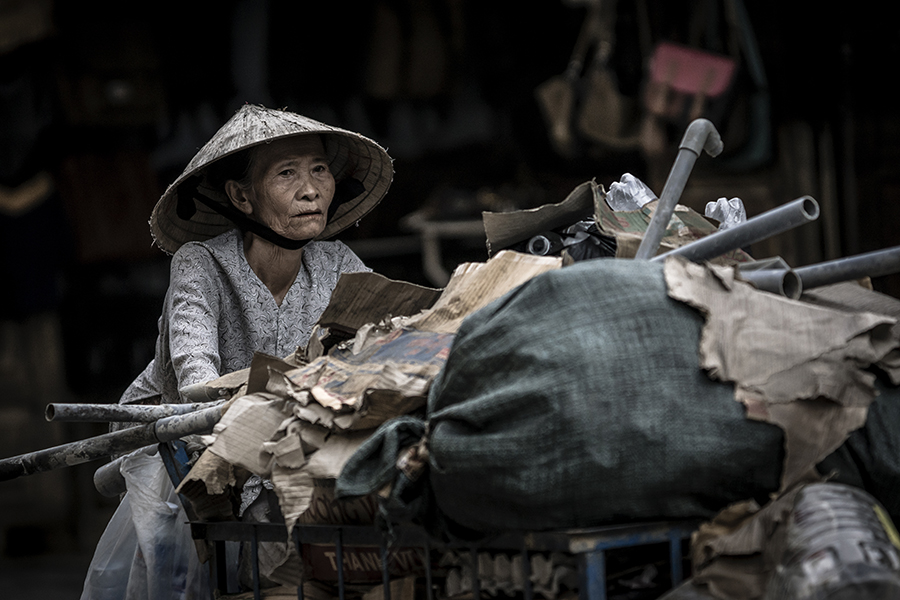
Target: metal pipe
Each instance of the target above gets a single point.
(123, 413)
(870, 264)
(701, 134)
(108, 479)
(783, 282)
(126, 440)
(787, 216)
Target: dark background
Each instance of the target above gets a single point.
(110, 100)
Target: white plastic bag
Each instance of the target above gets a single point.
(146, 551)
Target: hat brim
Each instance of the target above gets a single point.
(349, 154)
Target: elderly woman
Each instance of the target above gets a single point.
(249, 273)
(244, 221)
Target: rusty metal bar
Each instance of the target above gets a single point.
(117, 442)
(123, 413)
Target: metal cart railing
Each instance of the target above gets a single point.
(588, 545)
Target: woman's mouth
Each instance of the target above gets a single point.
(305, 215)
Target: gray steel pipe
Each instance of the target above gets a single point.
(108, 479)
(123, 413)
(778, 220)
(700, 135)
(783, 282)
(871, 264)
(117, 442)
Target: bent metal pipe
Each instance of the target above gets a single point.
(700, 135)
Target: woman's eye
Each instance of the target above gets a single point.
(287, 173)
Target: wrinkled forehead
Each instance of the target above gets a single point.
(301, 146)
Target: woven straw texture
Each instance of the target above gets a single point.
(349, 155)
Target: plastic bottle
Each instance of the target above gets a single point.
(727, 212)
(629, 193)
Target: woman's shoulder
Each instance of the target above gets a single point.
(222, 249)
(333, 253)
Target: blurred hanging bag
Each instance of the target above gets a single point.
(683, 80)
(687, 81)
(606, 116)
(557, 96)
(722, 79)
(584, 105)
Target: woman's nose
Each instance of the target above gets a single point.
(306, 189)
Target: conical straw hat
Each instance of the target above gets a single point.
(350, 155)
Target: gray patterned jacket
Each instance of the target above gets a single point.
(217, 313)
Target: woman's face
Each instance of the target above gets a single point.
(291, 187)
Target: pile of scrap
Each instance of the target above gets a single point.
(618, 390)
(297, 421)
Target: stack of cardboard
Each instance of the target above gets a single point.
(297, 420)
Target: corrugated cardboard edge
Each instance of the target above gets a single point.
(505, 229)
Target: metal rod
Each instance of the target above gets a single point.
(476, 582)
(701, 135)
(385, 574)
(254, 555)
(870, 264)
(784, 282)
(675, 559)
(126, 440)
(429, 591)
(528, 586)
(296, 534)
(787, 216)
(592, 573)
(220, 565)
(339, 554)
(123, 413)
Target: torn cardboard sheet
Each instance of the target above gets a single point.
(361, 298)
(295, 486)
(853, 297)
(735, 554)
(504, 229)
(784, 357)
(302, 423)
(475, 285)
(384, 372)
(250, 421)
(396, 366)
